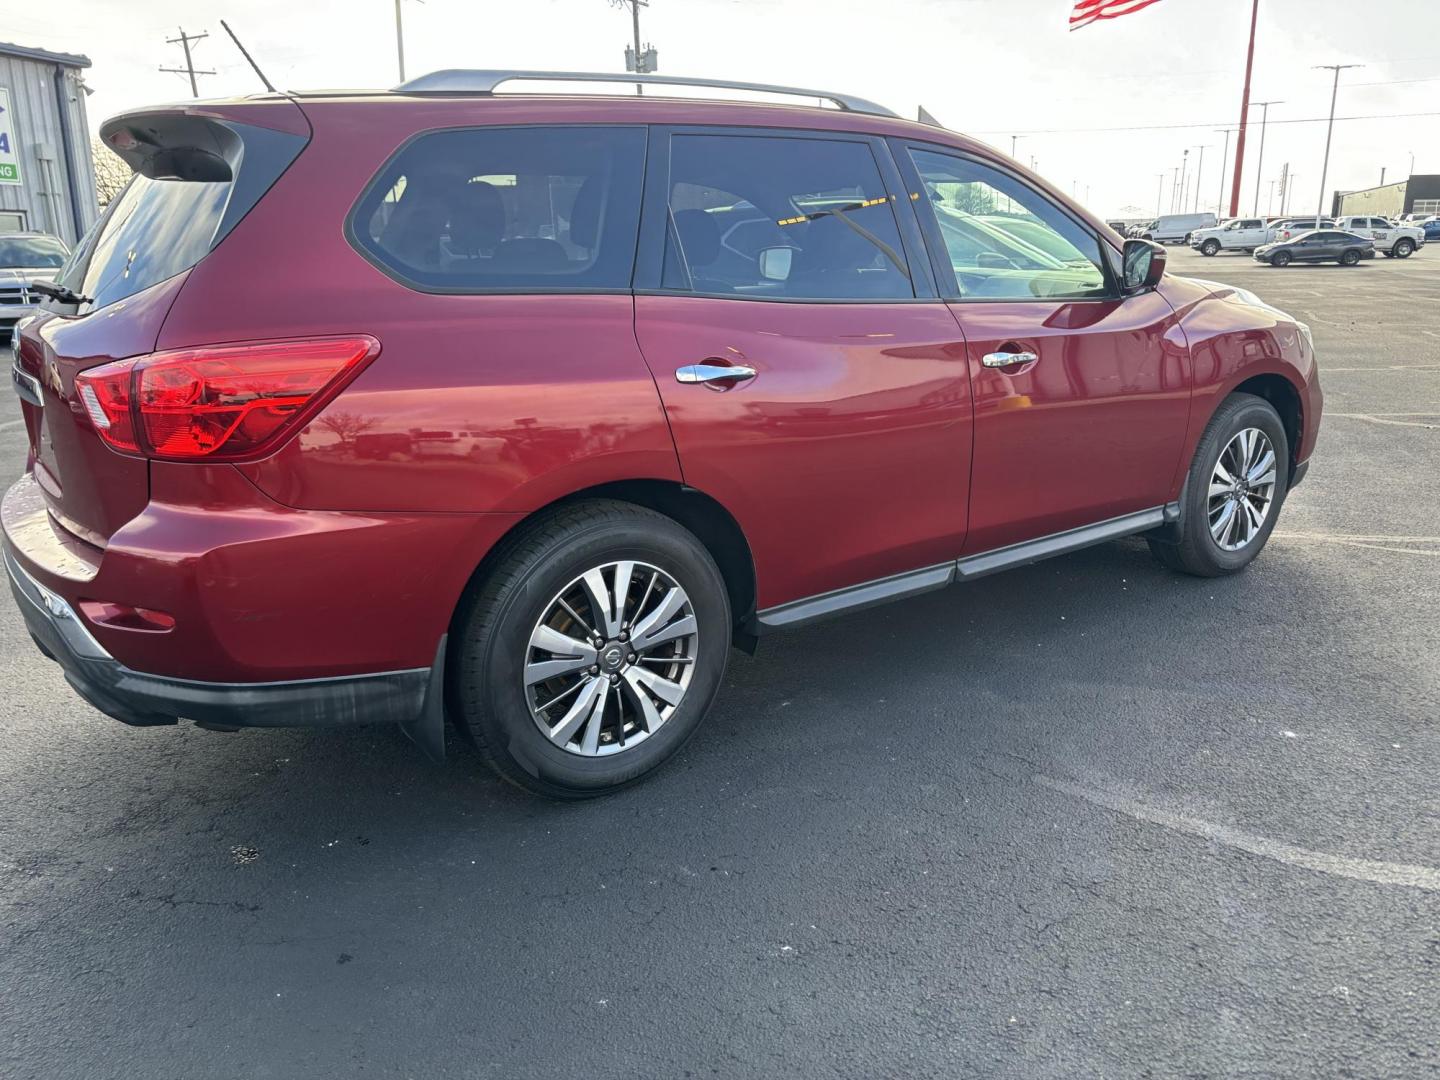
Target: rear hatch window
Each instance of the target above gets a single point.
(195, 178)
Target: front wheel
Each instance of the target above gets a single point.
(1404, 248)
(1233, 491)
(1349, 258)
(592, 650)
(1280, 258)
(1210, 247)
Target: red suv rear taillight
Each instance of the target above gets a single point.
(218, 402)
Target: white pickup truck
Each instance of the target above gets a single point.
(1238, 234)
(1391, 240)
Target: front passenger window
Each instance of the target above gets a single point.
(1005, 240)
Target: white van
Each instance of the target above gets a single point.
(1176, 228)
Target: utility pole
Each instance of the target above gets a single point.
(1244, 111)
(1199, 172)
(1159, 194)
(1260, 161)
(189, 69)
(639, 59)
(1224, 158)
(1329, 130)
(1382, 175)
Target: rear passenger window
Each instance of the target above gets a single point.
(507, 210)
(781, 218)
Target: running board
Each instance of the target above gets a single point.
(928, 579)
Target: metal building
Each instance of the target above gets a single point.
(47, 179)
(1418, 194)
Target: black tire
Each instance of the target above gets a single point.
(486, 676)
(1280, 258)
(1196, 552)
(1349, 258)
(1210, 247)
(1404, 248)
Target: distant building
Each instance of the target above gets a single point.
(47, 181)
(1420, 194)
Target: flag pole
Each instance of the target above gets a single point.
(1244, 110)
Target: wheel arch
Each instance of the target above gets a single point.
(704, 516)
(1284, 397)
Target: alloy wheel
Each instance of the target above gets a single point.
(610, 659)
(1242, 489)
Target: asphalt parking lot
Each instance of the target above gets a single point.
(1086, 819)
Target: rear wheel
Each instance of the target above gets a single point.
(1209, 247)
(1349, 258)
(1404, 248)
(1233, 492)
(1280, 258)
(592, 651)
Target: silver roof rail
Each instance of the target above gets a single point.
(463, 81)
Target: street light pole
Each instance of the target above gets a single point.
(400, 40)
(1160, 194)
(1329, 129)
(1199, 172)
(1260, 158)
(1224, 159)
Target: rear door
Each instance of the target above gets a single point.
(1082, 395)
(840, 437)
(196, 177)
(1251, 233)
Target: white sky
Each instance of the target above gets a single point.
(990, 68)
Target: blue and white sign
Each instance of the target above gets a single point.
(9, 152)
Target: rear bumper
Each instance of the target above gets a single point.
(142, 699)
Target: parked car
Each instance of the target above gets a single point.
(406, 406)
(1176, 228)
(1431, 228)
(1136, 232)
(1398, 241)
(1318, 245)
(25, 259)
(1237, 234)
(1286, 228)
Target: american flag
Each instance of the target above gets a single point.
(1089, 11)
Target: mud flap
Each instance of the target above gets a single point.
(427, 729)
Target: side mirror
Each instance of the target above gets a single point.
(775, 263)
(1144, 265)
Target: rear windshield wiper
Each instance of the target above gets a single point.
(60, 292)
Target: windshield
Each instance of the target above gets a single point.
(31, 251)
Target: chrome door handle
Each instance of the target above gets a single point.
(713, 373)
(1008, 359)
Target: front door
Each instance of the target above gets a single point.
(815, 384)
(1082, 395)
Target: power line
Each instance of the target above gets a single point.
(1197, 124)
(189, 69)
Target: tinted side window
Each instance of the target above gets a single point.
(507, 209)
(774, 217)
(1004, 239)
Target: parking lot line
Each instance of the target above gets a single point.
(1372, 870)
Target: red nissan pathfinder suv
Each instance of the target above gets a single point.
(522, 408)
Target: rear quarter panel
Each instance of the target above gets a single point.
(476, 403)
